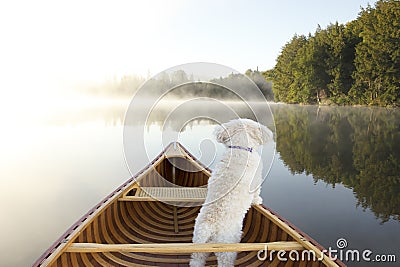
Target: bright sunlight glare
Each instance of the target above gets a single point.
(48, 48)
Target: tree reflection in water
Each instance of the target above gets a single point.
(358, 147)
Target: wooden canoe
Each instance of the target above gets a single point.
(149, 220)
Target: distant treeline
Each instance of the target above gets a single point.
(123, 86)
(181, 84)
(355, 63)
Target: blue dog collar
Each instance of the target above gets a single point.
(249, 149)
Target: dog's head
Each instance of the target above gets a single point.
(243, 132)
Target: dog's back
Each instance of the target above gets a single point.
(229, 193)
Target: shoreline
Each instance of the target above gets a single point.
(336, 105)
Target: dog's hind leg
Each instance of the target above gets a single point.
(229, 235)
(226, 259)
(201, 235)
(198, 259)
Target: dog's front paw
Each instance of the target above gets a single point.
(257, 200)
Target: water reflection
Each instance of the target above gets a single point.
(358, 147)
(61, 168)
(112, 113)
(107, 112)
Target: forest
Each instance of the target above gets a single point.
(357, 63)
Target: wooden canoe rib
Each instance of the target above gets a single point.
(149, 220)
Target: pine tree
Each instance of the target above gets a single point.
(356, 63)
(284, 71)
(377, 76)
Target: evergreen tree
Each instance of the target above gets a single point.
(311, 72)
(377, 76)
(285, 68)
(341, 42)
(263, 84)
(356, 63)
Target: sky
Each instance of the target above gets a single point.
(49, 46)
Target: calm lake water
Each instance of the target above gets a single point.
(335, 174)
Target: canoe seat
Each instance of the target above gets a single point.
(170, 194)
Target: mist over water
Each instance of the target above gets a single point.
(335, 173)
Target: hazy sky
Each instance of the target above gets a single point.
(61, 42)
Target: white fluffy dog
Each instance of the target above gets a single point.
(230, 193)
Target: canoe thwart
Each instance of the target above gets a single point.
(189, 194)
(182, 248)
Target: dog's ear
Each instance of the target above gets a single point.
(221, 134)
(261, 133)
(266, 134)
